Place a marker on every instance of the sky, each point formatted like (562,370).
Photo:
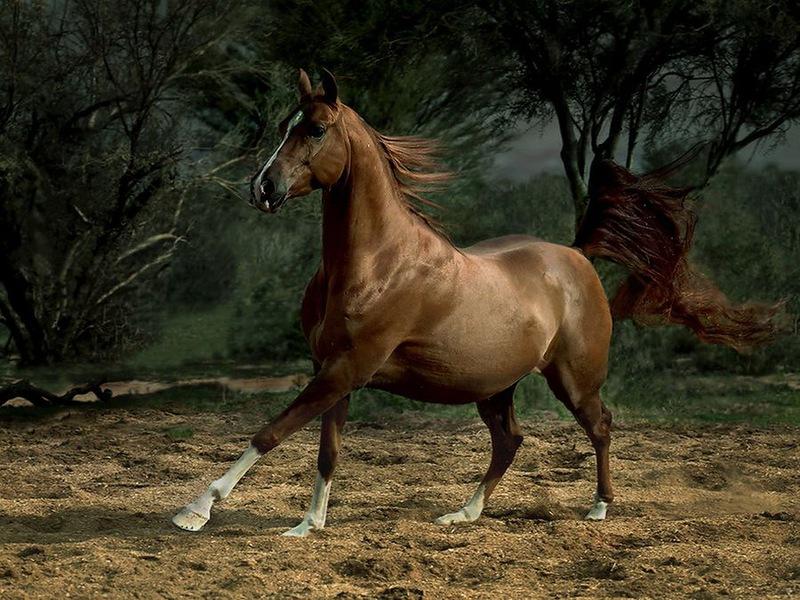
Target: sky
(536,151)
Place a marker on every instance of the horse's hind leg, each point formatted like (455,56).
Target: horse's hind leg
(330,441)
(498,414)
(581,396)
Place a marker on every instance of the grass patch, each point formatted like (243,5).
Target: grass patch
(662,398)
(191,336)
(179,433)
(532,397)
(720,398)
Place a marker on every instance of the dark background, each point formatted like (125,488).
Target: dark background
(128,132)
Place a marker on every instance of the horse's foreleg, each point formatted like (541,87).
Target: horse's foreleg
(325,390)
(195,515)
(330,441)
(498,414)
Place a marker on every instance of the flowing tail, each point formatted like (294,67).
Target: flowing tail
(646,226)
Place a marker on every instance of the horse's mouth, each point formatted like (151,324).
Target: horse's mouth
(270,206)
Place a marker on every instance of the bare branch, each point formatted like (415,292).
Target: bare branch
(160,260)
(148,243)
(41,397)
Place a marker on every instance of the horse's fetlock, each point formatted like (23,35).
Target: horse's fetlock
(607,497)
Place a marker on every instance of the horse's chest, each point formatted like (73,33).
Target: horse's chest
(334,330)
(336,316)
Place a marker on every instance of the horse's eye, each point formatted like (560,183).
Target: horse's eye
(317,131)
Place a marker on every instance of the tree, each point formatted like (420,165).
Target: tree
(724,75)
(407,67)
(91,189)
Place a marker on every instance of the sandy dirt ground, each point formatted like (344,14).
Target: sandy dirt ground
(87,496)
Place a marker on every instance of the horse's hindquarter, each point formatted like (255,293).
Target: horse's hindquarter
(491,321)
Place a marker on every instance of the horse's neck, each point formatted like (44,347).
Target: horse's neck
(364,214)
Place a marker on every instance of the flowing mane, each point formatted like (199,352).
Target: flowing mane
(414,164)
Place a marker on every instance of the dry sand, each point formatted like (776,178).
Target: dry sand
(87,496)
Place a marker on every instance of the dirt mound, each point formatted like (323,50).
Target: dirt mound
(87,498)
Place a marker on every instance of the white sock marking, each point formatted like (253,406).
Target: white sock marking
(196,514)
(470,511)
(317,512)
(598,511)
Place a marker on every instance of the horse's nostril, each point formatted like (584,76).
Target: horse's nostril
(267,188)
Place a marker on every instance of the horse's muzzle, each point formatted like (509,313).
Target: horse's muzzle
(272,204)
(266,196)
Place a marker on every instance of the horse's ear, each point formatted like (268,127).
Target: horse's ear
(329,88)
(304,85)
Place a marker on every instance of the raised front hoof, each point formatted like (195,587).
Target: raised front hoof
(598,511)
(456,517)
(189,520)
(301,530)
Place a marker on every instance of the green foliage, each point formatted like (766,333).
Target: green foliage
(282,254)
(90,173)
(194,335)
(748,236)
(477,209)
(179,433)
(203,270)
(234,282)
(407,66)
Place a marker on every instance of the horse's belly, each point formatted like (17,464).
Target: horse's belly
(466,363)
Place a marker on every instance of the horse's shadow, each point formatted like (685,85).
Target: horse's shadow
(93,522)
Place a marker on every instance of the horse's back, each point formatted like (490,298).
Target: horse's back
(502,243)
(530,255)
(532,259)
(519,244)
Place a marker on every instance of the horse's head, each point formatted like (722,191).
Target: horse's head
(313,152)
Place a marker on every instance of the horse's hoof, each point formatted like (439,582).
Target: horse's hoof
(189,520)
(598,511)
(301,530)
(453,518)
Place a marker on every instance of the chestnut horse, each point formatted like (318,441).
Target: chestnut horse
(395,306)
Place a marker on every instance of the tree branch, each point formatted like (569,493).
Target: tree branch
(41,397)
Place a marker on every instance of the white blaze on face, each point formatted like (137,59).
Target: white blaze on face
(293,122)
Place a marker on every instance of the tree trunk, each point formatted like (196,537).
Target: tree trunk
(23,323)
(571,160)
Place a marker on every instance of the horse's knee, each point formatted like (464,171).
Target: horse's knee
(265,440)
